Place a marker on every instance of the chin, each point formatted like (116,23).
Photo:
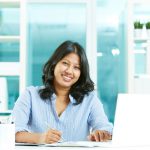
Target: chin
(67,85)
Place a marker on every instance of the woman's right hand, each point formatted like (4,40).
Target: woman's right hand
(51,136)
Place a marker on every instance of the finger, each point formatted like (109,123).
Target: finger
(52,138)
(107,136)
(103,135)
(97,136)
(91,137)
(50,141)
(52,131)
(53,135)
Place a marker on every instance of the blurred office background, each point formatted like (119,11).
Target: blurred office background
(50,24)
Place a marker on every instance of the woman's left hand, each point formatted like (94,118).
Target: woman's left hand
(100,136)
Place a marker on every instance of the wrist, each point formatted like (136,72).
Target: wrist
(41,138)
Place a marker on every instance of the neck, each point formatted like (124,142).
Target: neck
(62,95)
(62,92)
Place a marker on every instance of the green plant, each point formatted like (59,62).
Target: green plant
(138,25)
(147,25)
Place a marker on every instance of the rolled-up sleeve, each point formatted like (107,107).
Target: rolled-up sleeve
(22,112)
(97,118)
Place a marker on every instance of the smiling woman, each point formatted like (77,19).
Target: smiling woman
(67,71)
(69,62)
(67,102)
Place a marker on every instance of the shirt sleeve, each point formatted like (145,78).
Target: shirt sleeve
(21,112)
(97,118)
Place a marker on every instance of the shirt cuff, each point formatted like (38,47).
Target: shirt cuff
(21,129)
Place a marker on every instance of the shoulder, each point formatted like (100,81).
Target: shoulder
(91,101)
(33,89)
(31,92)
(91,97)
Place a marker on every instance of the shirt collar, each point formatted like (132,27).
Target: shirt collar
(72,100)
(53,97)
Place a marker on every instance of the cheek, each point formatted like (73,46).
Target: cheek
(78,74)
(58,70)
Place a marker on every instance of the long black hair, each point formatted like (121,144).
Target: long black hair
(84,84)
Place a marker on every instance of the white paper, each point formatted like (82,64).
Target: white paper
(70,144)
(76,144)
(7,136)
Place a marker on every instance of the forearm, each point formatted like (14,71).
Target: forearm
(27,137)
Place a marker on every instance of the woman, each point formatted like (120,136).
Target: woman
(66,107)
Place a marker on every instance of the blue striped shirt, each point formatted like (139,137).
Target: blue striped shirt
(32,114)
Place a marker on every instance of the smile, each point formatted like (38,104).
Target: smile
(66,78)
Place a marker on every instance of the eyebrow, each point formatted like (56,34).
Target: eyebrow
(69,61)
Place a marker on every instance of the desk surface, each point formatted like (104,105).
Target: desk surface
(79,148)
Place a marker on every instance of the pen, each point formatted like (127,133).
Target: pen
(49,127)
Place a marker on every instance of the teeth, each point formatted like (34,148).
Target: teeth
(66,78)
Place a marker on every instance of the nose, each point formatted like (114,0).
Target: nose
(69,70)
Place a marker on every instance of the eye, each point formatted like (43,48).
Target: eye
(77,67)
(65,63)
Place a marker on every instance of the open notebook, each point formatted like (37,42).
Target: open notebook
(131,126)
(64,144)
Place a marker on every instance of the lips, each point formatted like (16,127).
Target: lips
(67,78)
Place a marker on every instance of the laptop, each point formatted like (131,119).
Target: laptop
(132,121)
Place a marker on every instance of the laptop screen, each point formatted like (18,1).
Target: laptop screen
(132,120)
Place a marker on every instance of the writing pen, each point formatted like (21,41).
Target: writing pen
(49,127)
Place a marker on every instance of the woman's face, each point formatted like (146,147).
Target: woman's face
(67,71)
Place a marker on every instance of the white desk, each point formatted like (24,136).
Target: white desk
(79,148)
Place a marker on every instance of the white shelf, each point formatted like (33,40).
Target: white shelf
(5,112)
(144,76)
(9,3)
(139,51)
(142,39)
(16,68)
(9,38)
(137,45)
(142,84)
(141,1)
(10,69)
